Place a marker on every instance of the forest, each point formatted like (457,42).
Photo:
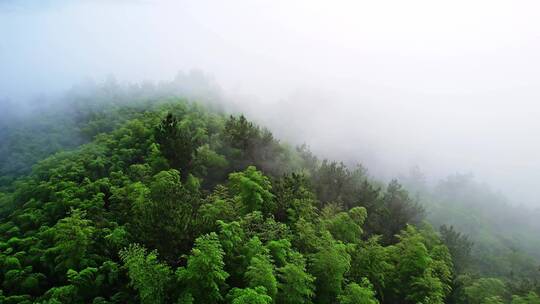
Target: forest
(120,196)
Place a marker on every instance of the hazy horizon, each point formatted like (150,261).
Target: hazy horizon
(449,87)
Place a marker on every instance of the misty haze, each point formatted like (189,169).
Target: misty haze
(269,152)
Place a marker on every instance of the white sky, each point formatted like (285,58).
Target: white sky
(446,85)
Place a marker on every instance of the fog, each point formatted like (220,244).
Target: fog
(447,86)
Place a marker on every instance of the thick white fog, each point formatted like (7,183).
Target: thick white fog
(450,86)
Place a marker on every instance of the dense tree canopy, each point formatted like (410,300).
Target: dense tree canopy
(169,202)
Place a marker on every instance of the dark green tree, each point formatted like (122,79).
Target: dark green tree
(255,295)
(358,294)
(73,238)
(372,261)
(486,290)
(397,209)
(178,141)
(252,190)
(260,272)
(164,216)
(147,275)
(329,265)
(204,276)
(295,284)
(459,245)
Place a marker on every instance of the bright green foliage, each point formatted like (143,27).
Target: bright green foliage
(293,197)
(426,288)
(265,228)
(358,294)
(185,185)
(493,300)
(252,189)
(296,285)
(261,273)
(372,261)
(530,298)
(233,242)
(485,289)
(347,226)
(164,219)
(231,236)
(418,270)
(255,295)
(117,238)
(441,266)
(204,275)
(280,250)
(218,206)
(85,285)
(329,266)
(306,238)
(147,275)
(72,236)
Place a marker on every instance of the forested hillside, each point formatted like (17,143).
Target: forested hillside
(161,200)
(505,236)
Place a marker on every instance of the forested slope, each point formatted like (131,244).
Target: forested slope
(167,201)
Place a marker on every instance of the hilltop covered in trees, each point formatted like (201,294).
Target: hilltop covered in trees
(159,200)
